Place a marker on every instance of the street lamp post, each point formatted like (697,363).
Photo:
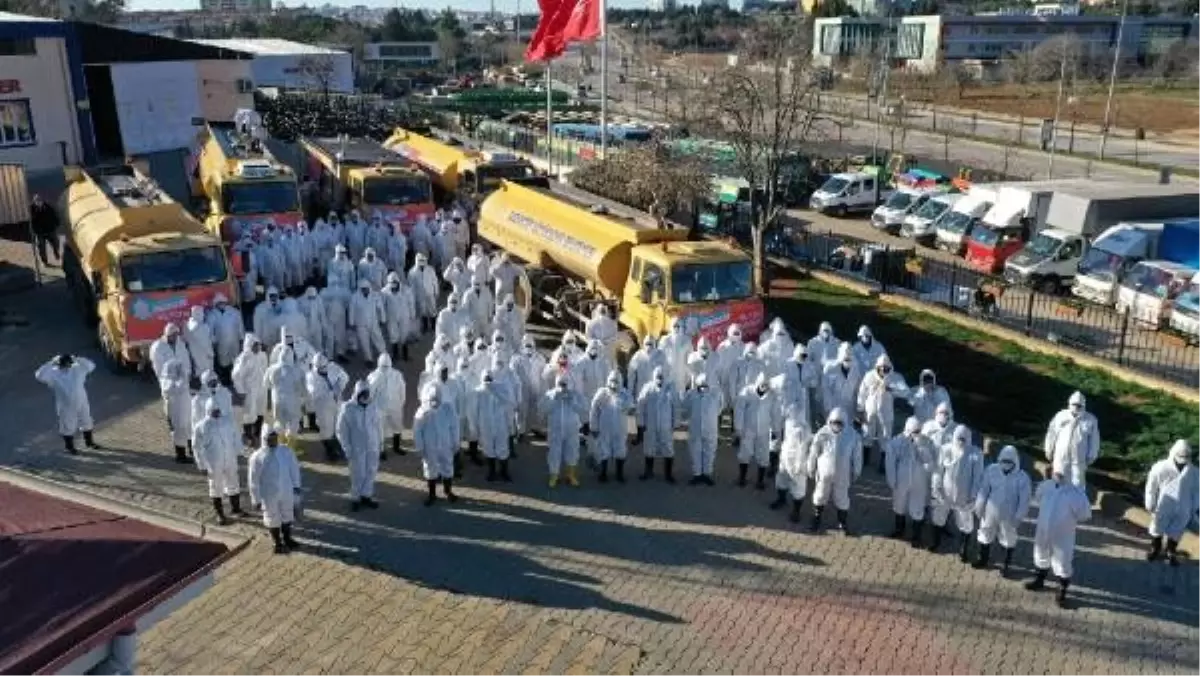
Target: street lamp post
(1112,79)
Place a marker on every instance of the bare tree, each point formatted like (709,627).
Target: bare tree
(646,178)
(1060,54)
(1176,64)
(318,69)
(765,106)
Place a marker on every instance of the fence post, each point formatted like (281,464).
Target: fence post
(953,295)
(1124,333)
(883,269)
(1029,313)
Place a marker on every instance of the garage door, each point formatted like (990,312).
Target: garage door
(155,105)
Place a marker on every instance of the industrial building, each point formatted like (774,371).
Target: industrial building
(291,65)
(403,54)
(924,43)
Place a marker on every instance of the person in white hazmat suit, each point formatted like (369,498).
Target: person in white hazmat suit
(754,414)
(198,336)
(325,382)
(312,308)
(602,328)
(371,269)
(1172,498)
(453,319)
(909,467)
(420,238)
(284,382)
(823,347)
(398,312)
(479,266)
(268,318)
(212,392)
(500,346)
(926,398)
(1073,440)
(957,478)
(355,235)
(608,422)
(436,438)
(358,433)
(177,407)
(506,377)
(800,379)
(269,257)
(876,403)
(940,430)
(639,371)
(457,276)
(676,347)
(840,381)
(170,346)
(658,408)
(323,240)
(703,361)
(776,349)
(248,372)
(1001,506)
(388,393)
(293,322)
(729,351)
(509,320)
(366,319)
(395,250)
(336,301)
(341,272)
(564,412)
(701,407)
(1062,506)
(791,479)
(66,376)
(466,379)
(273,476)
(462,232)
(292,252)
(424,284)
(246,249)
(867,350)
(593,369)
(228,327)
(527,365)
(216,444)
(478,305)
(443,245)
(492,405)
(835,462)
(505,274)
(745,371)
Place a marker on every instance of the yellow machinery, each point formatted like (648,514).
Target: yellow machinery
(362,174)
(135,258)
(244,186)
(580,254)
(455,168)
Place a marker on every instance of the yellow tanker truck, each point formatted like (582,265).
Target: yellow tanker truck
(457,168)
(135,259)
(579,254)
(357,173)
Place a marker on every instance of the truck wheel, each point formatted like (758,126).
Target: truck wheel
(1048,286)
(839,211)
(108,349)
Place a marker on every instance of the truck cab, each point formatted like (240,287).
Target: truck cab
(890,215)
(1048,262)
(990,246)
(1185,314)
(920,223)
(1149,290)
(954,227)
(1119,248)
(483,171)
(362,174)
(841,194)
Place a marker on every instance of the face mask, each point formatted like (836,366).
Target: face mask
(362,401)
(1180,464)
(395,286)
(835,426)
(866,340)
(215,414)
(528,349)
(322,369)
(762,391)
(613,386)
(433,403)
(1007,467)
(942,418)
(658,382)
(562,387)
(366,292)
(593,355)
(213,385)
(1076,411)
(508,305)
(420,266)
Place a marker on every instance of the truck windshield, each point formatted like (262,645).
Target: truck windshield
(239,199)
(713,282)
(396,191)
(834,185)
(1152,280)
(491,175)
(173,270)
(987,237)
(932,209)
(1100,265)
(1043,245)
(955,221)
(899,200)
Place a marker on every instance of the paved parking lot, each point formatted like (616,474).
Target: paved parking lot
(634,578)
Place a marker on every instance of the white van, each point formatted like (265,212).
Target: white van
(841,194)
(919,224)
(953,228)
(889,216)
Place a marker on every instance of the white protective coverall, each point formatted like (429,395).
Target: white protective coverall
(1062,506)
(424,283)
(355,234)
(956,481)
(491,405)
(70,394)
(341,271)
(170,346)
(285,383)
(702,408)
(479,306)
(212,392)
(248,372)
(312,308)
(528,365)
(754,414)
(323,240)
(744,371)
(508,320)
(294,323)
(776,349)
(1171,493)
(608,420)
(909,467)
(1003,500)
(593,369)
(505,273)
(478,265)
(453,319)
(792,475)
(835,462)
(840,381)
(729,351)
(366,319)
(372,269)
(877,401)
(198,335)
(639,371)
(940,430)
(395,252)
(563,410)
(420,238)
(217,445)
(325,382)
(436,435)
(603,328)
(227,331)
(676,346)
(274,478)
(823,347)
(657,411)
(1073,440)
(272,266)
(177,404)
(398,311)
(268,318)
(388,394)
(927,396)
(336,301)
(867,350)
(358,433)
(294,268)
(457,276)
(703,361)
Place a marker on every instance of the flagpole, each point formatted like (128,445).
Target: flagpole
(604,78)
(549,119)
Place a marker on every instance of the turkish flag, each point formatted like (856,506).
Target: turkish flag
(583,24)
(548,42)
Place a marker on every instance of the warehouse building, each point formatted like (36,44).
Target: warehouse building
(290,65)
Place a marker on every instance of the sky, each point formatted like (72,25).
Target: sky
(468,5)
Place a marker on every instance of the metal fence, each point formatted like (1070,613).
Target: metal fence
(1087,328)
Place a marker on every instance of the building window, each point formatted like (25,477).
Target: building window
(405,51)
(16,124)
(18,47)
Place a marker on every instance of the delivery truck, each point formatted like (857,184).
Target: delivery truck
(135,259)
(955,226)
(1114,253)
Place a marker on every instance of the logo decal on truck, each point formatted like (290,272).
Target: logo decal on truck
(543,231)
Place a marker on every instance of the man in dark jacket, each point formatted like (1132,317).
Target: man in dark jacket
(45,229)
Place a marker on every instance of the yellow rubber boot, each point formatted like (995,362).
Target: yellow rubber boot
(571,478)
(553,480)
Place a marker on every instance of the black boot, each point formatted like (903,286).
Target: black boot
(248,435)
(964,554)
(235,505)
(473,453)
(312,422)
(369,502)
(937,537)
(621,470)
(985,553)
(277,538)
(697,480)
(337,445)
(772,463)
(448,490)
(1172,552)
(1039,580)
(458,466)
(219,508)
(404,352)
(90,441)
(843,524)
(648,471)
(512,447)
(603,478)
(743,468)
(1061,597)
(258,427)
(761,483)
(815,527)
(331,453)
(668,469)
(288,542)
(356,504)
(640,437)
(69,444)
(491,473)
(917,526)
(794,517)
(1155,548)
(1008,553)
(780,499)
(181,455)
(898,528)
(432,497)
(396,445)
(882,460)
(504,475)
